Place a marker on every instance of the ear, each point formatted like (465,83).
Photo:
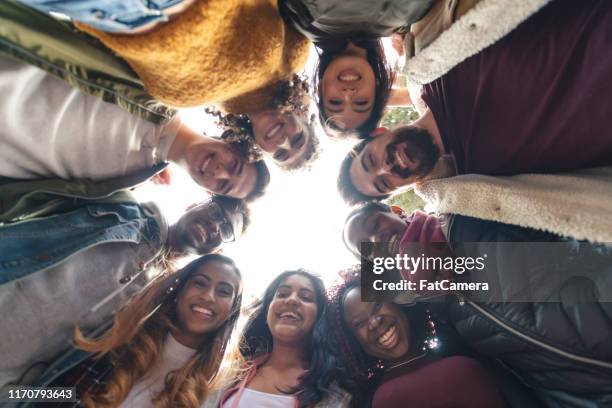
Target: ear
(378,131)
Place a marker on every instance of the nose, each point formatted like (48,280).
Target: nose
(349,91)
(292,299)
(374,322)
(221,172)
(208,295)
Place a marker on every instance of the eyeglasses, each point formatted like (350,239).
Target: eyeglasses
(217,215)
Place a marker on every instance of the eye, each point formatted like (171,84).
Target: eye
(298,140)
(282,294)
(225,291)
(335,102)
(361,102)
(199,283)
(281,155)
(307,298)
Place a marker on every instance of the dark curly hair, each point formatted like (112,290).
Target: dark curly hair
(291,97)
(363,371)
(384,75)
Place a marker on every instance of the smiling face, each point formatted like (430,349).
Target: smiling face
(381,329)
(281,135)
(203,228)
(205,302)
(293,310)
(392,160)
(374,226)
(219,168)
(348,88)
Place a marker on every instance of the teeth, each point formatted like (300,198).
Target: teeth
(289,315)
(274,131)
(387,338)
(400,159)
(349,77)
(202,235)
(203,167)
(202,310)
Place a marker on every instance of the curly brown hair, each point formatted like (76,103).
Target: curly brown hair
(291,97)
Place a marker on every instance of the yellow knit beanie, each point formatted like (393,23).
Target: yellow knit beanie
(216,51)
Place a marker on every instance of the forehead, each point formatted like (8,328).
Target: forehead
(297,282)
(219,272)
(352,303)
(355,229)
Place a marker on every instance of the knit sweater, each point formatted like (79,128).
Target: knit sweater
(227,52)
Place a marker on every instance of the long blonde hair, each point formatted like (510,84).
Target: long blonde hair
(135,343)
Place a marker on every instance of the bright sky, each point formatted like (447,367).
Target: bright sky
(297,224)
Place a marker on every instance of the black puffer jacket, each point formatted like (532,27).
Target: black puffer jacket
(321,20)
(561,347)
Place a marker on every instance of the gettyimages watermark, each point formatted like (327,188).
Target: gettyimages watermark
(488,272)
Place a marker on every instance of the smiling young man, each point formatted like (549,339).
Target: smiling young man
(394,159)
(495,114)
(74,267)
(51,130)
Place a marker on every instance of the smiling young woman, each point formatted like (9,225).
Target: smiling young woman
(165,346)
(392,356)
(281,343)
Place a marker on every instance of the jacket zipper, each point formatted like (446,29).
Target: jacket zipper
(529,339)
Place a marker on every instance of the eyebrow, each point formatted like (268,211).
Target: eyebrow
(363,161)
(335,111)
(363,110)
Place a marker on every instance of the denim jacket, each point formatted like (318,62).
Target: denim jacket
(56,47)
(115,16)
(33,245)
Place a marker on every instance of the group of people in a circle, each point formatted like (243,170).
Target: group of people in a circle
(513,125)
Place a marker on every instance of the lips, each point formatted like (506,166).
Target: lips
(389,338)
(199,235)
(202,312)
(349,75)
(204,164)
(274,130)
(402,158)
(290,316)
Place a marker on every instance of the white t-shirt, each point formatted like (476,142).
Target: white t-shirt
(174,356)
(251,398)
(49,129)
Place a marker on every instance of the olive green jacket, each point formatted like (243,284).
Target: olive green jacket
(22,200)
(58,48)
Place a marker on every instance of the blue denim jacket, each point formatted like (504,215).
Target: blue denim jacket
(33,245)
(113,16)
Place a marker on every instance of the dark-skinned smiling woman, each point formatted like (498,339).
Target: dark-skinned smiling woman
(392,356)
